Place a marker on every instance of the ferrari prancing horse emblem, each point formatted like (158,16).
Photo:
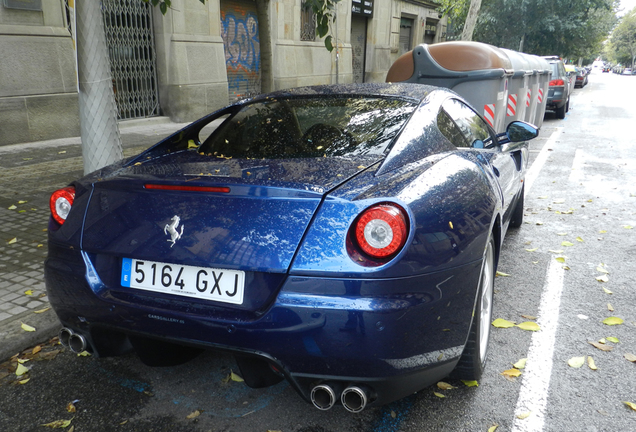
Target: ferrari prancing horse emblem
(172,230)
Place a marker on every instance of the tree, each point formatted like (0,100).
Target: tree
(623,39)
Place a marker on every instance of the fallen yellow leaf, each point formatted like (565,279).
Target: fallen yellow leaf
(58,424)
(560,259)
(524,415)
(493,428)
(613,339)
(70,407)
(27,327)
(502,323)
(444,386)
(630,357)
(36,349)
(24,381)
(612,321)
(610,307)
(601,346)
(13,240)
(532,250)
(521,364)
(631,405)
(501,274)
(576,362)
(567,244)
(602,278)
(439,395)
(12,207)
(591,364)
(84,354)
(41,310)
(194,414)
(510,373)
(607,291)
(579,239)
(601,269)
(562,234)
(21,370)
(236,377)
(555,251)
(529,326)
(450,224)
(469,383)
(29,292)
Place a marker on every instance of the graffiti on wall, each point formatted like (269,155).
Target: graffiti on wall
(239,30)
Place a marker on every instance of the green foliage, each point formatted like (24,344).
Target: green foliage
(163,4)
(325,11)
(622,45)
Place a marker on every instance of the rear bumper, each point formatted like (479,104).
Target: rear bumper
(395,336)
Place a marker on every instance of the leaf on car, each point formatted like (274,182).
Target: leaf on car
(590,363)
(630,404)
(501,274)
(612,321)
(607,291)
(576,362)
(193,414)
(27,327)
(502,323)
(511,373)
(21,370)
(630,357)
(13,240)
(524,415)
(602,347)
(612,339)
(439,395)
(470,383)
(444,386)
(58,424)
(567,244)
(521,364)
(602,278)
(235,377)
(529,326)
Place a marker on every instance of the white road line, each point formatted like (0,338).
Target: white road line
(533,396)
(538,163)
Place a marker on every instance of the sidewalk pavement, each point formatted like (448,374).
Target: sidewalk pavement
(29,173)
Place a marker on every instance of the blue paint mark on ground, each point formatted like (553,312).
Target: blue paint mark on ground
(388,423)
(138,386)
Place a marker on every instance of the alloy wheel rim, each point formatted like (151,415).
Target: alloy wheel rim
(486,301)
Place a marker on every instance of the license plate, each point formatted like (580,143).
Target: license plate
(220,285)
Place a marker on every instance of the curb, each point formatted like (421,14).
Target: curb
(15,339)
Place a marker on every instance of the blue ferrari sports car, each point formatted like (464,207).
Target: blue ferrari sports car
(344,238)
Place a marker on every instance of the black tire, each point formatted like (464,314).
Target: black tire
(473,360)
(517,215)
(567,106)
(560,112)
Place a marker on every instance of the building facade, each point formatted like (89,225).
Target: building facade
(196,58)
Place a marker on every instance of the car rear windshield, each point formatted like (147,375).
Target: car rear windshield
(310,127)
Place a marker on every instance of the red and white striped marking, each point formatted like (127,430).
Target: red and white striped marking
(512,105)
(489,114)
(540,96)
(528,97)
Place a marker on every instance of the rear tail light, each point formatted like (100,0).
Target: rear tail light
(379,233)
(61,202)
(556,82)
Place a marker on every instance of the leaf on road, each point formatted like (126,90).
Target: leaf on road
(84,354)
(579,239)
(532,250)
(521,364)
(602,347)
(628,226)
(501,274)
(439,395)
(612,321)
(27,327)
(631,405)
(444,386)
(58,424)
(502,323)
(524,415)
(450,224)
(590,363)
(558,201)
(22,202)
(13,240)
(12,207)
(543,197)
(194,414)
(539,223)
(493,428)
(70,407)
(235,377)
(529,326)
(29,292)
(562,234)
(41,310)
(630,357)
(511,373)
(21,370)
(469,383)
(567,244)
(36,349)
(529,317)
(613,339)
(576,362)
(602,278)
(556,251)
(607,291)
(601,269)
(602,232)
(24,381)
(610,307)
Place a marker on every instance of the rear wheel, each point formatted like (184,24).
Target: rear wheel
(560,112)
(473,360)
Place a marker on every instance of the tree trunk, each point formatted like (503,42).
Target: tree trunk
(265,38)
(471,20)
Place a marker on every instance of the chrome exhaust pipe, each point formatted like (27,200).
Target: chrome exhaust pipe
(354,399)
(65,336)
(323,397)
(77,343)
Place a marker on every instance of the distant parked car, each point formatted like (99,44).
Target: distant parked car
(606,68)
(559,90)
(627,71)
(581,78)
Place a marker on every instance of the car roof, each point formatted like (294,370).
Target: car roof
(416,92)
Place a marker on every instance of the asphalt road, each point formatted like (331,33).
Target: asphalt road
(581,190)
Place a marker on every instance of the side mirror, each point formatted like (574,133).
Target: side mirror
(518,131)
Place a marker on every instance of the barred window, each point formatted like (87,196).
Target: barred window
(307,22)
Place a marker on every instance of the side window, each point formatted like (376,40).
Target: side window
(473,128)
(450,130)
